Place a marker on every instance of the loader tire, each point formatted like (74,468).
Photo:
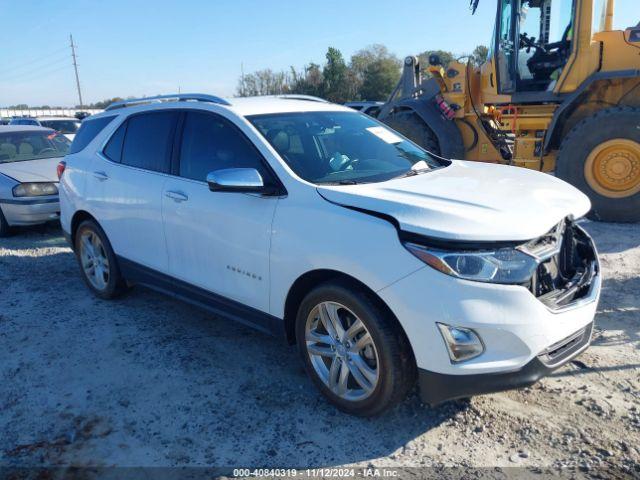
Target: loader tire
(413,127)
(601,157)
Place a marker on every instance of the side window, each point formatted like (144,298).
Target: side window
(113,150)
(147,143)
(88,131)
(210,142)
(506,47)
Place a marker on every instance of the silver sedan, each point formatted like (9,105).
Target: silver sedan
(29,158)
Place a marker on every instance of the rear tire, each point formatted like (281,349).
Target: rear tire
(413,127)
(374,357)
(601,157)
(5,229)
(97,261)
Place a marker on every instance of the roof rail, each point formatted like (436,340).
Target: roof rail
(177,97)
(310,98)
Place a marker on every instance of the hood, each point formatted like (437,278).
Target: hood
(469,201)
(41,170)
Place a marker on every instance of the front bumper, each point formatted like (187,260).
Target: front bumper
(436,388)
(517,325)
(30,210)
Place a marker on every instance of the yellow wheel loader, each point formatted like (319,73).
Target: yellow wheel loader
(559,92)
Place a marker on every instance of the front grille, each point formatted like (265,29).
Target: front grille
(566,348)
(568,266)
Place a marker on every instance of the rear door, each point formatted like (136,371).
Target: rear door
(125,187)
(218,241)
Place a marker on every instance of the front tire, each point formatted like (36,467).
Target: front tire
(98,263)
(601,157)
(353,349)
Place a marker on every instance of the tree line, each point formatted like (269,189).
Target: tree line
(371,74)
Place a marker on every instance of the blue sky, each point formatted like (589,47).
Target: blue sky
(136,47)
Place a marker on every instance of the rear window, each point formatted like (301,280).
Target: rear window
(62,126)
(88,131)
(23,121)
(148,140)
(23,146)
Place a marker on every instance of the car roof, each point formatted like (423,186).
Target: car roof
(23,128)
(242,106)
(364,103)
(274,104)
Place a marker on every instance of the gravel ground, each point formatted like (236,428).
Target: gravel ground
(149,381)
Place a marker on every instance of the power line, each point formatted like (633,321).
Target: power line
(7,65)
(13,76)
(36,75)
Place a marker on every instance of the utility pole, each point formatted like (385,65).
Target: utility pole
(243,88)
(75,67)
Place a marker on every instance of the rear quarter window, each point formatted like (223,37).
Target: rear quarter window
(113,150)
(89,129)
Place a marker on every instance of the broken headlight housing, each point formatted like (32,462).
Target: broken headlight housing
(503,265)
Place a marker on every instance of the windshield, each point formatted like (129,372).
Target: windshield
(341,147)
(23,146)
(62,126)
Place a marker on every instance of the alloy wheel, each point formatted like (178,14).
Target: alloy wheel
(95,262)
(342,351)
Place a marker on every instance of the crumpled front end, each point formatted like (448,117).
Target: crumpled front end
(526,330)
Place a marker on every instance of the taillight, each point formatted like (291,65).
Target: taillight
(60,169)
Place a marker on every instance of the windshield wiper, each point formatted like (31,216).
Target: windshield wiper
(341,182)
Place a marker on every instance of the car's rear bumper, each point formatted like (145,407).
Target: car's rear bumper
(436,388)
(30,211)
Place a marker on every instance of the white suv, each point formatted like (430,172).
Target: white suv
(306,219)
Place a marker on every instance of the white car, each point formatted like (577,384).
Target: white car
(306,219)
(370,108)
(66,125)
(29,157)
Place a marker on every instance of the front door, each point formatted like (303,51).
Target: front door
(218,241)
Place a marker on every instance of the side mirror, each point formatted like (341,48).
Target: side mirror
(247,180)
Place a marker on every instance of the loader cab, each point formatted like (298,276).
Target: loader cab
(533,41)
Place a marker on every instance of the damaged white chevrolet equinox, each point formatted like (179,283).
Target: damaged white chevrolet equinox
(385,264)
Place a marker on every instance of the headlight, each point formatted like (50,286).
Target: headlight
(504,265)
(35,189)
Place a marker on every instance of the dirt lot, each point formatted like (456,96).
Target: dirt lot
(150,381)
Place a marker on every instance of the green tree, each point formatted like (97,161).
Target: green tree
(480,55)
(445,57)
(335,74)
(373,73)
(309,82)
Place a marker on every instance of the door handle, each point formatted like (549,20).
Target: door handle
(101,176)
(176,196)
